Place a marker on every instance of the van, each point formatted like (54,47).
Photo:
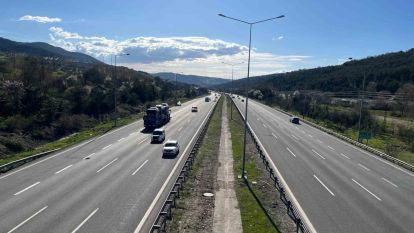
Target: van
(158,135)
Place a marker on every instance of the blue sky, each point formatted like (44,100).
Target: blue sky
(187,35)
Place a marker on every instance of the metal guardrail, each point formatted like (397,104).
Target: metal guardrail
(165,213)
(292,210)
(9,166)
(356,143)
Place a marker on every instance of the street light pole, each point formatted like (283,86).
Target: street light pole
(113,87)
(232,86)
(361,99)
(248,75)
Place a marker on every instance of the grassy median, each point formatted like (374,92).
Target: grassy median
(194,212)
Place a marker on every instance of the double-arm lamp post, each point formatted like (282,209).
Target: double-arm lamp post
(248,75)
(232,88)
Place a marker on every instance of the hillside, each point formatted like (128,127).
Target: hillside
(385,72)
(193,79)
(43,50)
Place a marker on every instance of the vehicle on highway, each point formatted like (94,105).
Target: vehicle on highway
(294,119)
(178,103)
(194,109)
(207,99)
(171,147)
(158,135)
(242,100)
(157,116)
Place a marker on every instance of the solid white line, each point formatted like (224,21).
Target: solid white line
(31,186)
(107,165)
(89,156)
(34,215)
(61,170)
(86,219)
(41,161)
(364,167)
(120,139)
(274,135)
(318,154)
(106,147)
(291,152)
(132,133)
(140,167)
(324,185)
(390,182)
(157,197)
(345,156)
(330,147)
(379,199)
(295,137)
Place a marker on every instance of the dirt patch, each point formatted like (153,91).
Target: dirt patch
(194,212)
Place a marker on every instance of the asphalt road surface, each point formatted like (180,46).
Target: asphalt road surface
(339,187)
(103,185)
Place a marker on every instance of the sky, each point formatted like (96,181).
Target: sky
(187,36)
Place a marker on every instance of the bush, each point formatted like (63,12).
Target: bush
(68,124)
(13,145)
(15,123)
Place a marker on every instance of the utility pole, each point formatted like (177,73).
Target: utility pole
(114,88)
(360,107)
(232,86)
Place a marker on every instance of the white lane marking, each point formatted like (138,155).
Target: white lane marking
(157,197)
(295,137)
(296,127)
(85,220)
(264,125)
(106,147)
(389,182)
(345,156)
(379,199)
(291,152)
(120,139)
(180,129)
(116,130)
(31,186)
(87,157)
(324,185)
(61,170)
(143,140)
(318,154)
(34,215)
(140,167)
(132,133)
(330,147)
(303,132)
(274,135)
(364,167)
(287,188)
(258,119)
(107,165)
(320,141)
(310,135)
(11,173)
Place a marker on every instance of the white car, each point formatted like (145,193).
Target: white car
(171,147)
(194,109)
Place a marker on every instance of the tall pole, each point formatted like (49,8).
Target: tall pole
(361,100)
(231,94)
(114,90)
(175,74)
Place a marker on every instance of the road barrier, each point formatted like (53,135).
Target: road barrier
(8,166)
(356,143)
(165,213)
(292,209)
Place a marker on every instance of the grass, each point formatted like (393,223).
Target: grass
(208,151)
(253,217)
(78,137)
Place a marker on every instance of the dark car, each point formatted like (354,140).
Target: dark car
(294,120)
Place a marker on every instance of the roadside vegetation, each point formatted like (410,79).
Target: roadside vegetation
(43,99)
(194,212)
(260,208)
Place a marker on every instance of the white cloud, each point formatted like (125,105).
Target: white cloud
(191,55)
(278,38)
(39,19)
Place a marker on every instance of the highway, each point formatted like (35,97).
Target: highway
(339,187)
(106,184)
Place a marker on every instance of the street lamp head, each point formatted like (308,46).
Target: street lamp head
(127,54)
(221,15)
(281,16)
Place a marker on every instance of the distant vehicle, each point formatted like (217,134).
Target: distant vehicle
(294,119)
(171,147)
(242,100)
(207,99)
(178,103)
(232,96)
(194,109)
(157,116)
